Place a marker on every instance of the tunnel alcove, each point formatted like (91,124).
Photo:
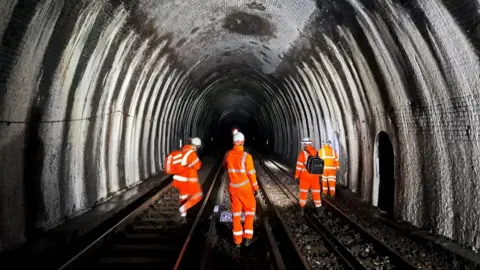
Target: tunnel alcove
(386,160)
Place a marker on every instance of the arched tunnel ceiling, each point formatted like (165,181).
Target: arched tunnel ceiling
(95,93)
(257,33)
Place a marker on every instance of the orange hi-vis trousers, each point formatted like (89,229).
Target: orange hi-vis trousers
(242,200)
(329,180)
(190,194)
(312,183)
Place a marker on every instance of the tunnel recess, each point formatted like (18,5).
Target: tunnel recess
(384,181)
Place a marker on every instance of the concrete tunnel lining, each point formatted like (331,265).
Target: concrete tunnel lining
(96,93)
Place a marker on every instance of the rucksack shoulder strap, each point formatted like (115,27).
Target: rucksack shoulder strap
(185,157)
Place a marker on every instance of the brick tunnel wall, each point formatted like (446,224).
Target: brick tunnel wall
(71,69)
(92,97)
(410,69)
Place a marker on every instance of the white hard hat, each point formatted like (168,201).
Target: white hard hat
(307,140)
(196,141)
(238,137)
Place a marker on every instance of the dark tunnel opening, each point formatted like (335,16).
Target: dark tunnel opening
(386,194)
(248,125)
(238,97)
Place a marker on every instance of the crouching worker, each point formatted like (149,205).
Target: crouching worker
(184,165)
(242,189)
(308,180)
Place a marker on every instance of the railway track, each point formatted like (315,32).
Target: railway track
(353,246)
(454,258)
(220,249)
(148,237)
(271,250)
(417,248)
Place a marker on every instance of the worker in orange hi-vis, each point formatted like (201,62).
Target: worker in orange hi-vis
(331,166)
(242,188)
(184,164)
(308,180)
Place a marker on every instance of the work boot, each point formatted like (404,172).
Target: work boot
(248,242)
(320,211)
(178,218)
(301,211)
(183,220)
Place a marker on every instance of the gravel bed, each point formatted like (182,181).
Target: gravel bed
(421,256)
(361,248)
(157,219)
(307,240)
(164,209)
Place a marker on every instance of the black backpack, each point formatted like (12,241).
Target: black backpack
(315,164)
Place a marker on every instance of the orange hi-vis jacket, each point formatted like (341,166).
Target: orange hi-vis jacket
(241,170)
(190,161)
(307,181)
(301,169)
(330,157)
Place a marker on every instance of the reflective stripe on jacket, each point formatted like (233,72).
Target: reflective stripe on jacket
(330,157)
(189,159)
(240,168)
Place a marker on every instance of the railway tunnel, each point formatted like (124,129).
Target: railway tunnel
(95,93)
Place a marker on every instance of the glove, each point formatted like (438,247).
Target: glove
(296,179)
(255,193)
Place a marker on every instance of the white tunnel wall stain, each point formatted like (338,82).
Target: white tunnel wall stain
(336,119)
(22,83)
(306,100)
(82,109)
(314,107)
(171,111)
(429,78)
(338,97)
(158,152)
(6,9)
(356,162)
(370,96)
(102,128)
(463,71)
(117,140)
(165,139)
(105,92)
(55,113)
(132,136)
(146,132)
(320,104)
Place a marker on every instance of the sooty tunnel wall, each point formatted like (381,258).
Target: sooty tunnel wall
(94,93)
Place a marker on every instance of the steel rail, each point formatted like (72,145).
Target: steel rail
(331,241)
(197,219)
(116,227)
(397,259)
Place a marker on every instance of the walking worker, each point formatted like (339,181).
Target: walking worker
(184,165)
(332,165)
(242,189)
(307,179)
